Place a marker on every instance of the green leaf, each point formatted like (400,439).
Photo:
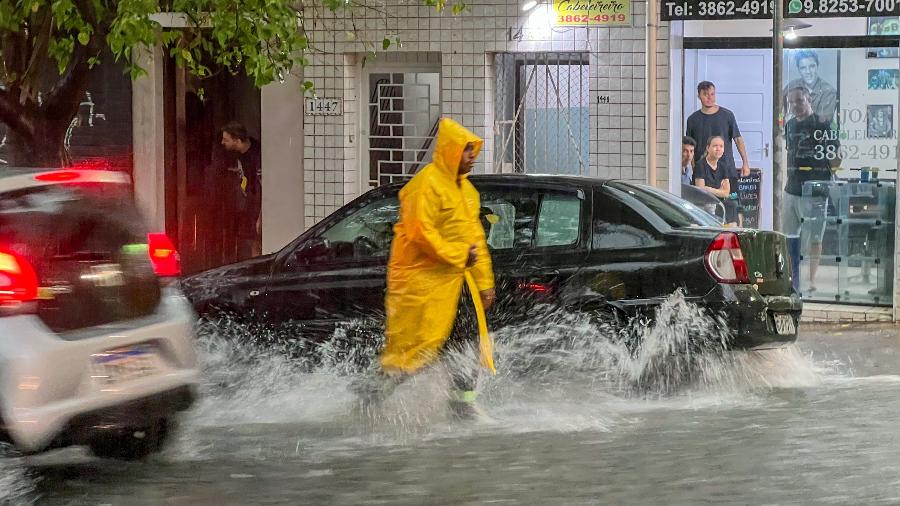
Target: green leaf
(386,43)
(84,38)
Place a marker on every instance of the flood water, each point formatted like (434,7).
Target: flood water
(572,417)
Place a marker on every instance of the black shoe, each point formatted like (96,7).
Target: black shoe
(462,410)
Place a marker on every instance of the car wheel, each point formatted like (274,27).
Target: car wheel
(131,443)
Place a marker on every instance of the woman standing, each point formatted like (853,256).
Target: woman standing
(712,175)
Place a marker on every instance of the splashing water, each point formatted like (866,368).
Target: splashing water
(16,483)
(567,366)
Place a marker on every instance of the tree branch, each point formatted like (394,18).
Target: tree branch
(38,52)
(11,114)
(62,100)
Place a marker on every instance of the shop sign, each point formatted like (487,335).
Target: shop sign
(840,8)
(592,12)
(677,10)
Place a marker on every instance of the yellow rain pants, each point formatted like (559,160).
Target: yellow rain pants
(439,221)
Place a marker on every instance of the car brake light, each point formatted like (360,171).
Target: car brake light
(58,176)
(18,281)
(725,260)
(163,256)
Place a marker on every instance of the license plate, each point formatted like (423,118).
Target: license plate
(784,324)
(125,364)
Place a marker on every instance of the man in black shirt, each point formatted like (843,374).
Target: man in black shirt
(812,153)
(714,120)
(246,186)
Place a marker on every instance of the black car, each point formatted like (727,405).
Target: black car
(581,244)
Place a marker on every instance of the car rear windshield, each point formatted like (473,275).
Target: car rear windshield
(676,212)
(87,244)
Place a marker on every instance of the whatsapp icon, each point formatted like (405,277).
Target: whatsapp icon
(794,7)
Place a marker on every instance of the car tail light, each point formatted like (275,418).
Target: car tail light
(18,281)
(58,176)
(163,256)
(725,260)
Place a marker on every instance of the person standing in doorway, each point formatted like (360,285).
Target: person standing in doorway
(714,120)
(712,176)
(439,245)
(823,95)
(812,155)
(246,173)
(688,146)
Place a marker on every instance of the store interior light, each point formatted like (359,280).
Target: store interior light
(530,4)
(789,28)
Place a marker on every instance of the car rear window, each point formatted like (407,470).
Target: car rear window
(677,213)
(87,244)
(529,219)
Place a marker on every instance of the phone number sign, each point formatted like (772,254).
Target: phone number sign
(677,10)
(592,12)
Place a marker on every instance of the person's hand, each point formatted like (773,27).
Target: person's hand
(488,297)
(473,256)
(745,170)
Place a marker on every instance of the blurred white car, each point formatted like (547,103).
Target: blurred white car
(96,341)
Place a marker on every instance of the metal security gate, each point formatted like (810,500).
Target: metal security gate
(541,114)
(401,116)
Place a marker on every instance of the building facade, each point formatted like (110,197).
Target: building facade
(508,74)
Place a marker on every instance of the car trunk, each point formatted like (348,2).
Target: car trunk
(768,263)
(88,250)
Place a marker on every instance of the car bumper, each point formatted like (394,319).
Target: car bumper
(48,386)
(751,316)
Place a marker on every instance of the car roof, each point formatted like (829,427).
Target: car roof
(529,179)
(18,178)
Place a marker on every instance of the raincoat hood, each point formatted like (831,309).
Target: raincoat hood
(449,145)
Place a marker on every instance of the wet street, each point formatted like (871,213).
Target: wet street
(811,424)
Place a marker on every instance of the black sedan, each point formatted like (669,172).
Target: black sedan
(577,244)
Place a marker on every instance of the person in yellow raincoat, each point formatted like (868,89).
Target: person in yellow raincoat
(439,244)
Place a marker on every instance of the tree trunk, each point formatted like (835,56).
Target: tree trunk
(46,148)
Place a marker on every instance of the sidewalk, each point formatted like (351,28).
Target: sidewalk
(842,313)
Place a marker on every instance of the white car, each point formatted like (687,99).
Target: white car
(96,340)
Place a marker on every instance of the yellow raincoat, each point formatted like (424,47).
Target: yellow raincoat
(439,221)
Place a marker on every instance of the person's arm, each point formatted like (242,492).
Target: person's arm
(483,270)
(722,192)
(742,149)
(419,212)
(735,132)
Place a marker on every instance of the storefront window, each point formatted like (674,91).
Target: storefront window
(840,109)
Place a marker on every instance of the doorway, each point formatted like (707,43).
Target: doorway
(401,111)
(199,218)
(743,79)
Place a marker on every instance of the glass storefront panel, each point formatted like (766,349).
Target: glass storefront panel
(841,142)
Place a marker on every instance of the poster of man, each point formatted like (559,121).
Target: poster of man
(817,70)
(880,121)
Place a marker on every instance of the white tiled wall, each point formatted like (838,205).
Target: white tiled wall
(464,45)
